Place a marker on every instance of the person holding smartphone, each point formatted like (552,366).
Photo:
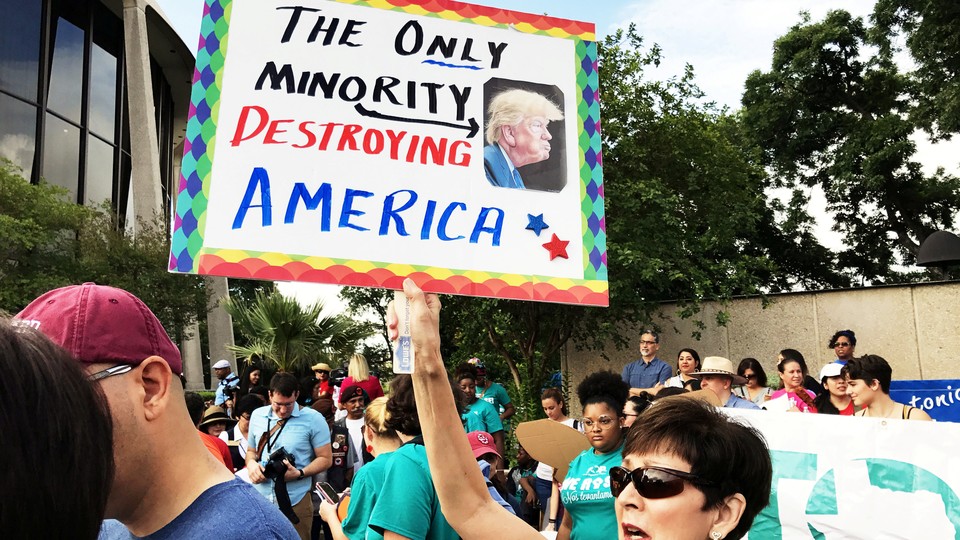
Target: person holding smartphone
(381,441)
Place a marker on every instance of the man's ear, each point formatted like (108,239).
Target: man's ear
(507,136)
(156,378)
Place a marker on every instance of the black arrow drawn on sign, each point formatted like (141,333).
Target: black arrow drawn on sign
(473,126)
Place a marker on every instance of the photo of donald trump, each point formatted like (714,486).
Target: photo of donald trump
(517,134)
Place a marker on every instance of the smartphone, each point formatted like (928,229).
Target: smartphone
(327,492)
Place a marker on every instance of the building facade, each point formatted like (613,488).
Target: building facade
(94,97)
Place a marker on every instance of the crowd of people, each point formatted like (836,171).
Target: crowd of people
(847,386)
(144,458)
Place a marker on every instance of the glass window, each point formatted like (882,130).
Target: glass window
(61,164)
(66,70)
(20,47)
(18,132)
(103,92)
(98,182)
(107,41)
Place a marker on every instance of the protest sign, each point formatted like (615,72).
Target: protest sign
(357,143)
(939,398)
(850,477)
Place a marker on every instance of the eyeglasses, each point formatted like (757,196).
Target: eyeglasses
(839,344)
(653,482)
(245,416)
(750,375)
(605,422)
(646,342)
(110,372)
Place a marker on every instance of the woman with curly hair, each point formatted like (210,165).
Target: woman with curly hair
(585,492)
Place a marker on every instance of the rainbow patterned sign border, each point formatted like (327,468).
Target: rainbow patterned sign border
(189,254)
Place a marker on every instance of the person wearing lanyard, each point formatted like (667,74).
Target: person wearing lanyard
(304,435)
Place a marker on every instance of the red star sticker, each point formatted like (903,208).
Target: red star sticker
(556,247)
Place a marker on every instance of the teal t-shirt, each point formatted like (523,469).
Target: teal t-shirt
(481,416)
(407,503)
(364,493)
(496,395)
(585,493)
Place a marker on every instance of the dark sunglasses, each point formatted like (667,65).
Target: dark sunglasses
(839,344)
(653,482)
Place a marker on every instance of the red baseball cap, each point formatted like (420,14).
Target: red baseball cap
(100,324)
(482,443)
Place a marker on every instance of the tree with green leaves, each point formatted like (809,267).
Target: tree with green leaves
(46,242)
(931,30)
(835,111)
(38,231)
(290,337)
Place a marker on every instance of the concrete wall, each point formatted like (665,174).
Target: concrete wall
(915,327)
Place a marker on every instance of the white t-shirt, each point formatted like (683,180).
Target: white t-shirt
(356,440)
(544,471)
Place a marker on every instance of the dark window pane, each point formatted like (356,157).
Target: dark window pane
(20,47)
(99,177)
(107,42)
(18,132)
(66,71)
(61,165)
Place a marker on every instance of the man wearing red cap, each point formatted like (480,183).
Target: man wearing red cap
(166,484)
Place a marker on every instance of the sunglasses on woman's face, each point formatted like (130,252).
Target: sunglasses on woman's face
(653,482)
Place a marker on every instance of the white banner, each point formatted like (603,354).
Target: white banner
(849,477)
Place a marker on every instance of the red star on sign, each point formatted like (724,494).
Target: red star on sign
(557,247)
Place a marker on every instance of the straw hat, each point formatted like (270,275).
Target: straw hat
(215,414)
(718,365)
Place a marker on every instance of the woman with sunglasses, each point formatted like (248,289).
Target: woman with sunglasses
(844,344)
(462,491)
(690,472)
(756,389)
(585,493)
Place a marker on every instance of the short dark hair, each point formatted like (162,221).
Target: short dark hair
(466,371)
(604,387)
(754,364)
(59,436)
(792,355)
(284,383)
(195,406)
(719,449)
(556,395)
(846,333)
(248,404)
(652,332)
(869,367)
(402,405)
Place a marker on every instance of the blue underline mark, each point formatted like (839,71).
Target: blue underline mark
(436,63)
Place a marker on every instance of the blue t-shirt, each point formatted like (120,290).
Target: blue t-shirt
(364,493)
(585,493)
(408,503)
(229,510)
(481,416)
(639,374)
(305,430)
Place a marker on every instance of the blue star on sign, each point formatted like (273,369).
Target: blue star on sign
(536,223)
